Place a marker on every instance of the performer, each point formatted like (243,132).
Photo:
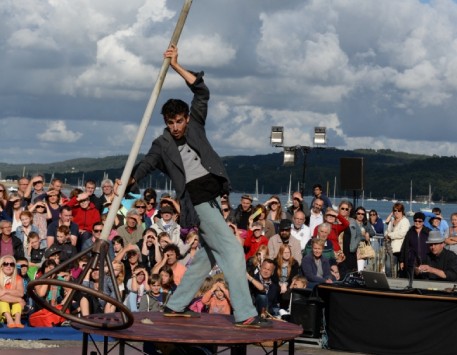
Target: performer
(184,153)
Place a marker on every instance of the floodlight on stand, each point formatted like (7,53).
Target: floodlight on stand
(320,137)
(277,136)
(289,156)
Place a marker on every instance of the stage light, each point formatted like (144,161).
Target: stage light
(277,136)
(320,137)
(289,156)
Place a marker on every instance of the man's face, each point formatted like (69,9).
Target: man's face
(245,204)
(177,125)
(166,216)
(317,191)
(436,249)
(57,185)
(6,229)
(284,234)
(171,257)
(299,219)
(65,217)
(22,185)
(317,206)
(90,188)
(107,189)
(38,185)
(266,271)
(317,250)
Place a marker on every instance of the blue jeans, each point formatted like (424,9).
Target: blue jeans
(219,244)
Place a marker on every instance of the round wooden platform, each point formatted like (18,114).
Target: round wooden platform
(209,329)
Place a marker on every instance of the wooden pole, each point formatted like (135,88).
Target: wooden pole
(144,125)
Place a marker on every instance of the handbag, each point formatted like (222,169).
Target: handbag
(365,251)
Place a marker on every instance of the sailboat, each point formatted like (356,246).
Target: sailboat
(410,213)
(256,196)
(429,209)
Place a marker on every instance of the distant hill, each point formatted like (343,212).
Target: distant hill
(386,173)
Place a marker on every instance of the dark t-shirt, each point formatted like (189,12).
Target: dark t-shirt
(52,229)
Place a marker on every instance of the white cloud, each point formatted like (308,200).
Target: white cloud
(57,132)
(376,73)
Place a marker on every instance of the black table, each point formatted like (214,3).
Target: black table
(390,322)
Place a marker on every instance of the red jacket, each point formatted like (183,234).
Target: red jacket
(85,219)
(251,244)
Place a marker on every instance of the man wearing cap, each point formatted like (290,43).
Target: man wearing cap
(440,263)
(254,240)
(284,237)
(167,224)
(242,213)
(132,231)
(414,248)
(435,221)
(184,153)
(53,252)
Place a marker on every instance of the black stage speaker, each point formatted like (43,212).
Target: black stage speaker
(307,312)
(351,173)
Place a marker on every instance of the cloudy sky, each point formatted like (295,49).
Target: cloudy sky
(75,75)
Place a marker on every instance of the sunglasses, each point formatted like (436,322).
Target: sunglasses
(360,213)
(97,230)
(140,206)
(344,208)
(23,265)
(396,210)
(418,220)
(2,190)
(225,209)
(85,200)
(9,264)
(372,214)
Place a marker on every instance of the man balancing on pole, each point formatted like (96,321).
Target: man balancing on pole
(184,153)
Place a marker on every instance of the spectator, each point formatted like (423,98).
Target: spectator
(63,242)
(298,204)
(300,230)
(316,214)
(11,292)
(137,285)
(192,239)
(260,215)
(318,193)
(217,299)
(241,214)
(34,253)
(170,258)
(41,216)
(166,223)
(65,218)
(265,290)
(26,227)
(254,240)
(287,268)
(152,301)
(85,214)
(10,244)
(148,246)
(275,212)
(315,267)
(284,237)
(132,230)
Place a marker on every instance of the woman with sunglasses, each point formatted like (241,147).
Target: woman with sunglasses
(396,230)
(366,231)
(11,292)
(275,212)
(376,222)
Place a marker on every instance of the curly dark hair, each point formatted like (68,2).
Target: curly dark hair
(173,108)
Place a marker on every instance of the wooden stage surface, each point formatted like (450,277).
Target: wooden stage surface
(208,329)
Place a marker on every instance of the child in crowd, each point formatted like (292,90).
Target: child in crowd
(167,283)
(137,286)
(26,227)
(217,298)
(34,253)
(197,305)
(79,266)
(41,216)
(152,301)
(64,243)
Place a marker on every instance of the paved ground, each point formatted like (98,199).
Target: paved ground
(45,347)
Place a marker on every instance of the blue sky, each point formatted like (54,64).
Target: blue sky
(76,74)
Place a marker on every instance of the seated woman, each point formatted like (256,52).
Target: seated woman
(275,212)
(268,228)
(167,282)
(90,304)
(136,286)
(11,292)
(315,267)
(287,269)
(253,263)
